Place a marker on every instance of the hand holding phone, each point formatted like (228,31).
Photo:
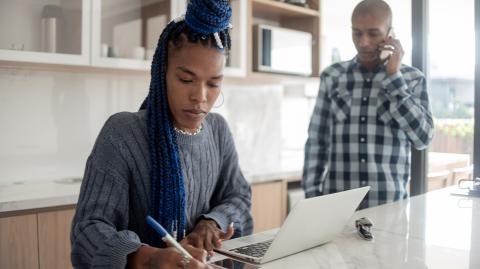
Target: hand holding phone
(391,53)
(387,50)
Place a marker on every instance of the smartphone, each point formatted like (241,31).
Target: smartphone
(233,264)
(385,54)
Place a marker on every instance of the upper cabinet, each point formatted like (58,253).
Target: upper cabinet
(45,31)
(123,34)
(237,58)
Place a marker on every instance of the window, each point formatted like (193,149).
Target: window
(451,70)
(336,39)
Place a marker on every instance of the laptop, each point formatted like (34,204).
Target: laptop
(311,222)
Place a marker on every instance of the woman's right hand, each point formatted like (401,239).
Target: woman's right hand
(147,257)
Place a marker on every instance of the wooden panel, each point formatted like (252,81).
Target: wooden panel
(268,205)
(18,242)
(275,9)
(437,180)
(54,239)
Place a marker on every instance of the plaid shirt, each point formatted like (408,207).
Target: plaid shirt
(361,130)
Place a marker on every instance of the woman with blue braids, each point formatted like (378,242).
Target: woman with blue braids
(172,160)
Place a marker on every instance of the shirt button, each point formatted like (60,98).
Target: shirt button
(364,99)
(363,119)
(368,80)
(363,182)
(362,160)
(362,139)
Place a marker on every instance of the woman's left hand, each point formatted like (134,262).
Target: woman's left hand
(207,235)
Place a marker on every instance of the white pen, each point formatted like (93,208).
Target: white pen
(166,237)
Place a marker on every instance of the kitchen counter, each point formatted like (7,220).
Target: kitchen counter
(15,196)
(433,230)
(26,195)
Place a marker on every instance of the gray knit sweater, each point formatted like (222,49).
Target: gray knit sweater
(109,222)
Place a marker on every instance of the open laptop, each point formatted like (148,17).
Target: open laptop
(312,222)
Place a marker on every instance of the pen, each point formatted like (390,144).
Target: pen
(167,238)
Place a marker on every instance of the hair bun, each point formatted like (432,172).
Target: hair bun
(208,16)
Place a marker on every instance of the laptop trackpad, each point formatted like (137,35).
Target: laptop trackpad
(248,240)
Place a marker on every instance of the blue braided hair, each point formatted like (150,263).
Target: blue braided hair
(206,22)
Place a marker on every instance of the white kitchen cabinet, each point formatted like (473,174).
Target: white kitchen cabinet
(45,31)
(125,33)
(115,34)
(237,61)
(237,58)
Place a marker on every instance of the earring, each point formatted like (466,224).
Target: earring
(223,100)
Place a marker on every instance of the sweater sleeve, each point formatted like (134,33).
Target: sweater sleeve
(99,234)
(231,201)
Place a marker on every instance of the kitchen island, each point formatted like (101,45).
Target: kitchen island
(434,230)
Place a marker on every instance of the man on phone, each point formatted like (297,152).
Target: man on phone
(368,113)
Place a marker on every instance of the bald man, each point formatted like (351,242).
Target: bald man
(368,113)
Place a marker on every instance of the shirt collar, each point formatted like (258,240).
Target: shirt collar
(355,64)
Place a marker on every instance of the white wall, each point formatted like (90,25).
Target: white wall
(49,120)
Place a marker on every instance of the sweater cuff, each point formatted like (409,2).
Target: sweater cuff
(396,85)
(219,218)
(117,249)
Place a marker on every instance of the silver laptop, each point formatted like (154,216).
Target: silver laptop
(312,222)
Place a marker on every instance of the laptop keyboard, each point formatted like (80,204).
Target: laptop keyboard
(256,250)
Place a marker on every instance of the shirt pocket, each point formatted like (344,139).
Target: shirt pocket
(341,105)
(383,109)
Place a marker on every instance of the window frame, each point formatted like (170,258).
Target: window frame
(419,161)
(476,124)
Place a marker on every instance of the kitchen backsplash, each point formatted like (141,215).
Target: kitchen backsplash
(49,119)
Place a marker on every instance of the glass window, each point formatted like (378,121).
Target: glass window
(451,67)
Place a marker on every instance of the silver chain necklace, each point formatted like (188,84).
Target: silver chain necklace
(180,131)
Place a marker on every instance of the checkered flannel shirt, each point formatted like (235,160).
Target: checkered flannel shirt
(361,131)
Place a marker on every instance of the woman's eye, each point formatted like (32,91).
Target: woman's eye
(185,80)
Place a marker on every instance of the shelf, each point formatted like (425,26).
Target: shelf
(265,8)
(272,78)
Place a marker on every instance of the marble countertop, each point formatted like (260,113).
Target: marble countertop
(35,194)
(434,230)
(38,194)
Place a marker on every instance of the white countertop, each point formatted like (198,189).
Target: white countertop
(427,231)
(37,194)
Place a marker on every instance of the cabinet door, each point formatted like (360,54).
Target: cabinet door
(268,205)
(18,242)
(48,31)
(125,33)
(54,239)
